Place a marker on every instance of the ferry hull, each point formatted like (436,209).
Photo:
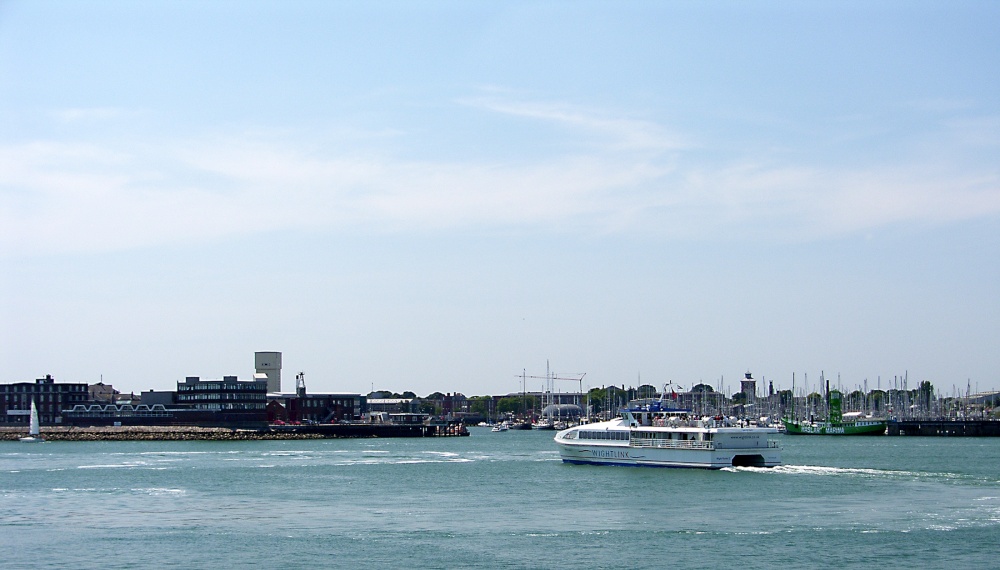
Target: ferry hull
(681,458)
(874,427)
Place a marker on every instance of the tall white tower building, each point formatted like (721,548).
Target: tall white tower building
(269,364)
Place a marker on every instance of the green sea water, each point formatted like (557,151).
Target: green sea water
(493,500)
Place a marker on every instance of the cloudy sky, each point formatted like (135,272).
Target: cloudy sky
(439,196)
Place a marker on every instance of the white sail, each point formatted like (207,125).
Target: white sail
(33,427)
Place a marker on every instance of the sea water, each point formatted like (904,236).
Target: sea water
(494,500)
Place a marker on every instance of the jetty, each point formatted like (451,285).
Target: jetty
(945,427)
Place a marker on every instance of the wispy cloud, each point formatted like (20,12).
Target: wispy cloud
(633,175)
(90,114)
(615,132)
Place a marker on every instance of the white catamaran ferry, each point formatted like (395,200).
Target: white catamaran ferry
(649,434)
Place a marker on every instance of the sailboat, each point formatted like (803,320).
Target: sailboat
(34,430)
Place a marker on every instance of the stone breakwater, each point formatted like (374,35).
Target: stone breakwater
(193,433)
(153,433)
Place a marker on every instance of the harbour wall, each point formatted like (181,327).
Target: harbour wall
(954,428)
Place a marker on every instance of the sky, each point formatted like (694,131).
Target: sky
(448,196)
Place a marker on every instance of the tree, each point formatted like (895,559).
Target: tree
(814,400)
(856,400)
(704,388)
(925,394)
(646,391)
(516,404)
(878,398)
(785,397)
(509,405)
(481,405)
(610,398)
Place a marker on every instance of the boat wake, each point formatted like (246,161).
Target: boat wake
(858,472)
(840,471)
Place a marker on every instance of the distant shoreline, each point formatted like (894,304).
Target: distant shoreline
(153,433)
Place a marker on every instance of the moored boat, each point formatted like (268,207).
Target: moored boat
(543,424)
(865,426)
(838,423)
(648,434)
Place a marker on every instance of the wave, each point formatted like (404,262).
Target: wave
(151,491)
(126,465)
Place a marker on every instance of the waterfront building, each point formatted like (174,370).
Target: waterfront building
(319,408)
(748,386)
(241,399)
(229,402)
(49,396)
(117,415)
(103,393)
(269,365)
(315,408)
(394,405)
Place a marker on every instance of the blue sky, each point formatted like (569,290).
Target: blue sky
(436,196)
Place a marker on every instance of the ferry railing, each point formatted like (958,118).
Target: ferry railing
(670,443)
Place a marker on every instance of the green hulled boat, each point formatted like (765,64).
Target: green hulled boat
(837,424)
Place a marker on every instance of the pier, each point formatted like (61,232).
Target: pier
(954,428)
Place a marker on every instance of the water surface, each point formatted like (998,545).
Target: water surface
(493,500)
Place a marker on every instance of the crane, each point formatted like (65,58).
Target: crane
(550,378)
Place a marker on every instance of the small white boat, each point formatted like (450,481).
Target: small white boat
(34,428)
(500,427)
(647,434)
(543,423)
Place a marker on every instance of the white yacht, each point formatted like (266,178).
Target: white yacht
(649,434)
